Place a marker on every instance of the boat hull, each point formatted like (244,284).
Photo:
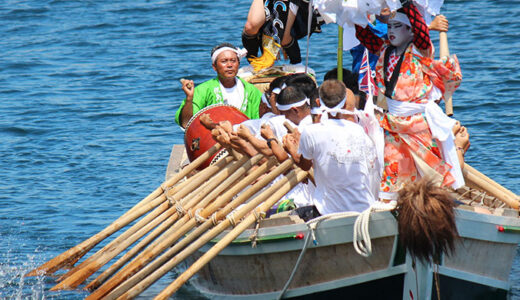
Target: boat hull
(332,268)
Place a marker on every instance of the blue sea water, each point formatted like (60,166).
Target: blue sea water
(88,92)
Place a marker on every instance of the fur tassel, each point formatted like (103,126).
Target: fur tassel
(426,220)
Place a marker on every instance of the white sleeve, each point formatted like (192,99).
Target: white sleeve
(306,146)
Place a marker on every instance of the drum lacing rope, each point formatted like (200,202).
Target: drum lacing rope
(254,236)
(313,224)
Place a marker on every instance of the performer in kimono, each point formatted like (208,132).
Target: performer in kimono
(418,136)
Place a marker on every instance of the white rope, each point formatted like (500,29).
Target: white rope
(231,219)
(363,246)
(198,217)
(312,225)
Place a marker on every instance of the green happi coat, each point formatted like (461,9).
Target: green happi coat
(209,93)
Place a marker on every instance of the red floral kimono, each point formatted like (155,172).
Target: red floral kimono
(409,145)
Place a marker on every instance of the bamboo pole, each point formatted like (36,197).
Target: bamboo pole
(247,164)
(75,253)
(129,270)
(79,274)
(492,182)
(340,54)
(444,51)
(136,249)
(159,262)
(294,178)
(479,181)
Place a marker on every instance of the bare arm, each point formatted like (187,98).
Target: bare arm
(290,144)
(258,144)
(187,110)
(273,143)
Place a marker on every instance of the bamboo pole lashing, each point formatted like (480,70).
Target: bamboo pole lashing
(164,241)
(78,275)
(220,214)
(136,287)
(294,177)
(476,181)
(248,163)
(75,253)
(492,182)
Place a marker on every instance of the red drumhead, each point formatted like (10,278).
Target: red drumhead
(197,139)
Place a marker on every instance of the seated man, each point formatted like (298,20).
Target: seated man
(341,152)
(225,88)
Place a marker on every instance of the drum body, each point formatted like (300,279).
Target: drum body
(197,138)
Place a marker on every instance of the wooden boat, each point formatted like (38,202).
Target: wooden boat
(237,253)
(330,267)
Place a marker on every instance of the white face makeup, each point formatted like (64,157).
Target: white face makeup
(399,33)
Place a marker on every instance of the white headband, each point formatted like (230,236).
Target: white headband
(284,107)
(277,90)
(400,17)
(264,100)
(333,110)
(240,53)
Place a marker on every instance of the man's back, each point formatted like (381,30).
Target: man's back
(344,160)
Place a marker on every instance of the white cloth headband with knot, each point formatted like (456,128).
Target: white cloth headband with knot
(241,53)
(277,90)
(285,107)
(333,110)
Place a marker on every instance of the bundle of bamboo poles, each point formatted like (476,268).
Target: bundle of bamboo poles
(173,222)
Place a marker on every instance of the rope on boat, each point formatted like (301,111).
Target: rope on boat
(254,236)
(363,246)
(360,225)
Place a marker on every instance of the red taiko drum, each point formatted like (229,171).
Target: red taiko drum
(197,139)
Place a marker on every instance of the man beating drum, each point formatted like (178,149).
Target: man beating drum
(226,88)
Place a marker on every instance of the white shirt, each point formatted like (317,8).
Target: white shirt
(344,160)
(254,125)
(235,95)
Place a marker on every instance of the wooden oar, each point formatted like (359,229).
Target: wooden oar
(492,182)
(294,178)
(445,51)
(152,251)
(203,203)
(480,181)
(165,266)
(76,252)
(79,274)
(159,262)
